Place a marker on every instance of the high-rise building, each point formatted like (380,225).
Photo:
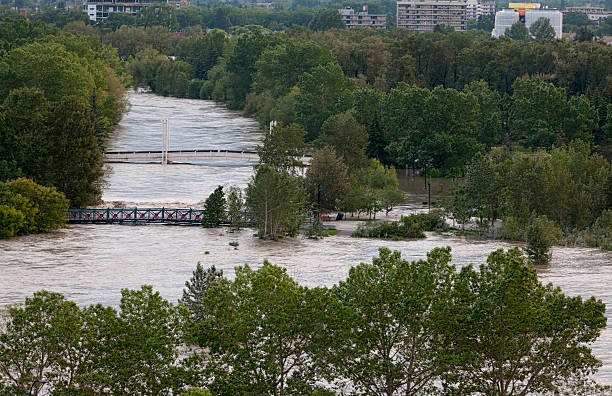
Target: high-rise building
(362,18)
(526,13)
(424,15)
(98,10)
(475,9)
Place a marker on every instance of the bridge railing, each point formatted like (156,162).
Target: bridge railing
(140,215)
(135,215)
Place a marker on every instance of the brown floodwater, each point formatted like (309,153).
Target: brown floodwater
(92,263)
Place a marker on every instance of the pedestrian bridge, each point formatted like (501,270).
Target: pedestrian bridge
(185,156)
(178,216)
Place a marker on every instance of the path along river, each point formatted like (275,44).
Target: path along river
(92,263)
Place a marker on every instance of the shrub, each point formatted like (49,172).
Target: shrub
(11,221)
(541,235)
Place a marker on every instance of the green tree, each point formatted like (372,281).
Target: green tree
(541,30)
(283,148)
(444,29)
(24,133)
(259,333)
(50,204)
(491,132)
(576,19)
(144,354)
(276,202)
(279,67)
(383,331)
(518,31)
(11,221)
(542,346)
(77,160)
(348,138)
(325,19)
(316,98)
(159,14)
(196,288)
(35,342)
(541,234)
(214,208)
(327,180)
(235,207)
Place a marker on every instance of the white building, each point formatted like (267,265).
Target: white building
(504,19)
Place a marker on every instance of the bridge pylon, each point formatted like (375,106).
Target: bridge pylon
(165,141)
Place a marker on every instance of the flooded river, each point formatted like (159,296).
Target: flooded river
(92,263)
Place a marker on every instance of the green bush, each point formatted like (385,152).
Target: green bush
(541,235)
(29,208)
(11,221)
(405,228)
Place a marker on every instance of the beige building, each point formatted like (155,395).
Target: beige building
(424,15)
(595,14)
(363,18)
(475,9)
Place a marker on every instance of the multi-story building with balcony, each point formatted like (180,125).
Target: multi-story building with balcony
(475,9)
(98,10)
(424,15)
(362,18)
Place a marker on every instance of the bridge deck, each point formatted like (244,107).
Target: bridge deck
(187,155)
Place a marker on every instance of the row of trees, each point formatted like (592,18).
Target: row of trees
(295,78)
(29,208)
(60,98)
(567,191)
(392,327)
(277,197)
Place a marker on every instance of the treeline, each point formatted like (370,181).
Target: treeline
(61,96)
(29,208)
(433,99)
(279,194)
(543,196)
(392,327)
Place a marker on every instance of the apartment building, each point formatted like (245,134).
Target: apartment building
(475,9)
(98,10)
(362,18)
(424,15)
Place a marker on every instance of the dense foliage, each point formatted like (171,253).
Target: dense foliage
(392,327)
(568,185)
(29,208)
(60,98)
(424,100)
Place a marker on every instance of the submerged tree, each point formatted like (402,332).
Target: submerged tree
(235,207)
(214,208)
(276,202)
(541,235)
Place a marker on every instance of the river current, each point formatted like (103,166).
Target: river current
(92,263)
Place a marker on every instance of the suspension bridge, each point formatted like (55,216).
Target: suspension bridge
(166,156)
